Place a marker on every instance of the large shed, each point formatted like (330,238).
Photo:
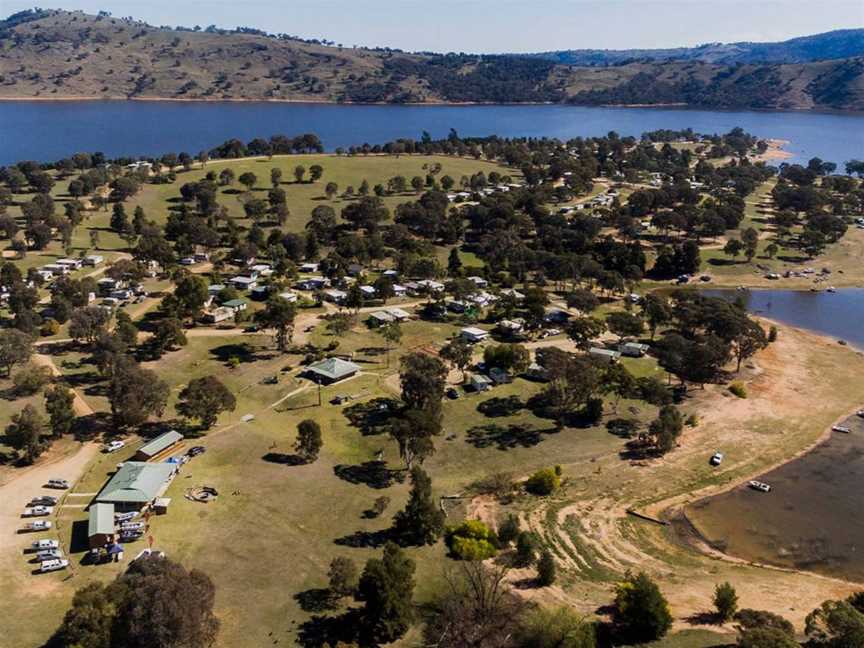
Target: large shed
(100,525)
(158,445)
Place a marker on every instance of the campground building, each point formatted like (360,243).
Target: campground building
(137,485)
(100,524)
(160,445)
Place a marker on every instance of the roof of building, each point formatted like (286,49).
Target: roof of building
(382,316)
(101,521)
(398,313)
(480,379)
(334,368)
(474,331)
(604,352)
(160,443)
(136,482)
(235,303)
(242,279)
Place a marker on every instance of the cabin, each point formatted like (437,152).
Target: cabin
(100,525)
(335,296)
(537,372)
(499,376)
(217,315)
(236,305)
(633,349)
(312,283)
(480,383)
(430,286)
(473,335)
(368,291)
(398,314)
(288,296)
(380,318)
(215,289)
(137,484)
(93,259)
(399,291)
(510,328)
(331,370)
(604,355)
(480,282)
(241,282)
(308,268)
(158,446)
(72,264)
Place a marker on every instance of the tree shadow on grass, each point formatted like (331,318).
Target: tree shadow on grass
(505,437)
(375,474)
(365,539)
(320,630)
(285,459)
(704,618)
(86,428)
(317,599)
(497,407)
(243,352)
(372,417)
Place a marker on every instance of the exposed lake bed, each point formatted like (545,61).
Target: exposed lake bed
(813,517)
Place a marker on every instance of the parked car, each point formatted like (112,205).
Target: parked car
(841,428)
(132,536)
(128,527)
(38,525)
(114,446)
(123,517)
(760,486)
(43,500)
(57,483)
(194,451)
(48,554)
(452,394)
(38,511)
(716,459)
(53,565)
(42,545)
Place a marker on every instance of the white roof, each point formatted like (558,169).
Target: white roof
(474,331)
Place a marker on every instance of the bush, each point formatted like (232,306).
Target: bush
(471,540)
(50,327)
(593,410)
(543,482)
(738,390)
(641,609)
(772,334)
(525,550)
(508,530)
(31,379)
(726,601)
(546,569)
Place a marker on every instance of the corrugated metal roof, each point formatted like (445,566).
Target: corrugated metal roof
(136,481)
(101,521)
(161,442)
(334,368)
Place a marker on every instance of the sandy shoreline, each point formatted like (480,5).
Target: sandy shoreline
(776,151)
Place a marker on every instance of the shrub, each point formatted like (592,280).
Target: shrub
(471,540)
(50,327)
(593,410)
(692,420)
(31,379)
(738,390)
(641,609)
(525,550)
(726,601)
(508,530)
(772,334)
(543,482)
(546,569)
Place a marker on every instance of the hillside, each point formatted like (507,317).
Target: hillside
(838,44)
(59,54)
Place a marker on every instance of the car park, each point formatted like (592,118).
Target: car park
(53,565)
(42,545)
(114,446)
(38,511)
(38,525)
(57,483)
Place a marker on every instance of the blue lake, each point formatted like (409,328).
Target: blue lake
(49,130)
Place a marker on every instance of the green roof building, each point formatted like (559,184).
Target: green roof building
(100,525)
(136,484)
(332,370)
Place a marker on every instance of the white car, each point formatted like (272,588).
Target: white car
(39,525)
(42,545)
(125,517)
(114,445)
(48,554)
(57,483)
(38,511)
(841,428)
(716,459)
(53,565)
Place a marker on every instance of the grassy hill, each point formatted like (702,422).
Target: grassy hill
(60,54)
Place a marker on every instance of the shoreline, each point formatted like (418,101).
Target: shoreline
(431,104)
(674,509)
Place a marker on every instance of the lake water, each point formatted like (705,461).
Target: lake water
(838,315)
(50,130)
(814,516)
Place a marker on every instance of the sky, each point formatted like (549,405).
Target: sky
(496,25)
